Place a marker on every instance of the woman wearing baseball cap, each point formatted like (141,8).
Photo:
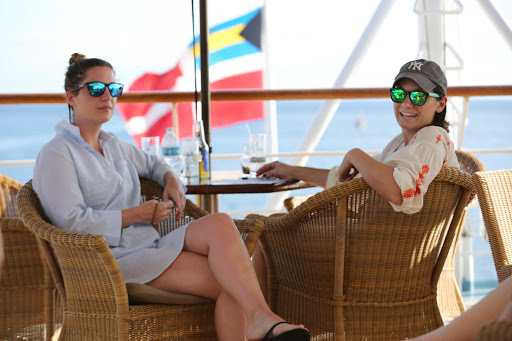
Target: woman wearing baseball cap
(402,172)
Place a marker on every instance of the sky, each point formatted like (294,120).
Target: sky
(308,43)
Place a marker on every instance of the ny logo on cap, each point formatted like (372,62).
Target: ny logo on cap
(415,65)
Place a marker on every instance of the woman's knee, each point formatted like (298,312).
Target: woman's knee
(223,223)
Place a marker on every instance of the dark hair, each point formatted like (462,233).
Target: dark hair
(77,72)
(440,118)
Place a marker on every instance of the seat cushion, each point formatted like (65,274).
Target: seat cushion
(145,294)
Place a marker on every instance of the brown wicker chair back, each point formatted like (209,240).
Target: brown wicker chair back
(350,268)
(495,201)
(93,291)
(28,298)
(449,297)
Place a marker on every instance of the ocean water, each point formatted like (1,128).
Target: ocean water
(367,124)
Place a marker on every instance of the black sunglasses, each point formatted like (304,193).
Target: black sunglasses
(96,89)
(417,97)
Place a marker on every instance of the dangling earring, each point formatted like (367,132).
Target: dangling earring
(71,114)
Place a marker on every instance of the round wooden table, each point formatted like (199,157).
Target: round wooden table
(230,182)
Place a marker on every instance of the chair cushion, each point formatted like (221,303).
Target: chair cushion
(145,294)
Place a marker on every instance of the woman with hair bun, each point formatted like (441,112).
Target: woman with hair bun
(88,181)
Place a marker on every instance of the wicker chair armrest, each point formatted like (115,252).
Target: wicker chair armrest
(9,184)
(468,163)
(292,202)
(495,331)
(250,230)
(194,211)
(8,189)
(13,224)
(504,272)
(151,189)
(345,189)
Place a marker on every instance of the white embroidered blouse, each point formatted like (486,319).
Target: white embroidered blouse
(416,164)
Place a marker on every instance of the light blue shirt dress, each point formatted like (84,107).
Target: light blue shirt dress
(84,191)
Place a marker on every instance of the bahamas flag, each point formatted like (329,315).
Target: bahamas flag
(236,62)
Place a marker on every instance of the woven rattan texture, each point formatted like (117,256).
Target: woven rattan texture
(350,268)
(93,291)
(494,190)
(449,297)
(28,298)
(495,331)
(8,190)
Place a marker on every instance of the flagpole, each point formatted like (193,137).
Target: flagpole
(205,74)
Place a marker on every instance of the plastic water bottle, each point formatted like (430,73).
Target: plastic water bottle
(171,151)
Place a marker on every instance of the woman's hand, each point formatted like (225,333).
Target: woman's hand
(162,212)
(276,169)
(174,193)
(145,213)
(347,170)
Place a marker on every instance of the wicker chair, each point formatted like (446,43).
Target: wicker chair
(350,268)
(94,294)
(495,201)
(449,297)
(27,294)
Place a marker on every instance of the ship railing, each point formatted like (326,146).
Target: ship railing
(465,92)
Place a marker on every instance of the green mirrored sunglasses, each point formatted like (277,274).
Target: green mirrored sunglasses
(417,97)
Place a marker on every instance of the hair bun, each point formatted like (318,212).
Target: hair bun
(75,58)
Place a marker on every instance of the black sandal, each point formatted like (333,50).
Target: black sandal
(298,334)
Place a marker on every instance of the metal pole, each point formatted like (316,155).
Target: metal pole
(271,127)
(205,69)
(497,20)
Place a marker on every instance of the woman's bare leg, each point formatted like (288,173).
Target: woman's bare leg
(260,267)
(216,237)
(464,327)
(230,320)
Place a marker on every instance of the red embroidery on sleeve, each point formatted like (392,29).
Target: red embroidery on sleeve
(438,138)
(448,143)
(419,181)
(445,161)
(408,193)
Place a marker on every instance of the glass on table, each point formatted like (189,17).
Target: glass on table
(151,145)
(245,161)
(257,152)
(190,150)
